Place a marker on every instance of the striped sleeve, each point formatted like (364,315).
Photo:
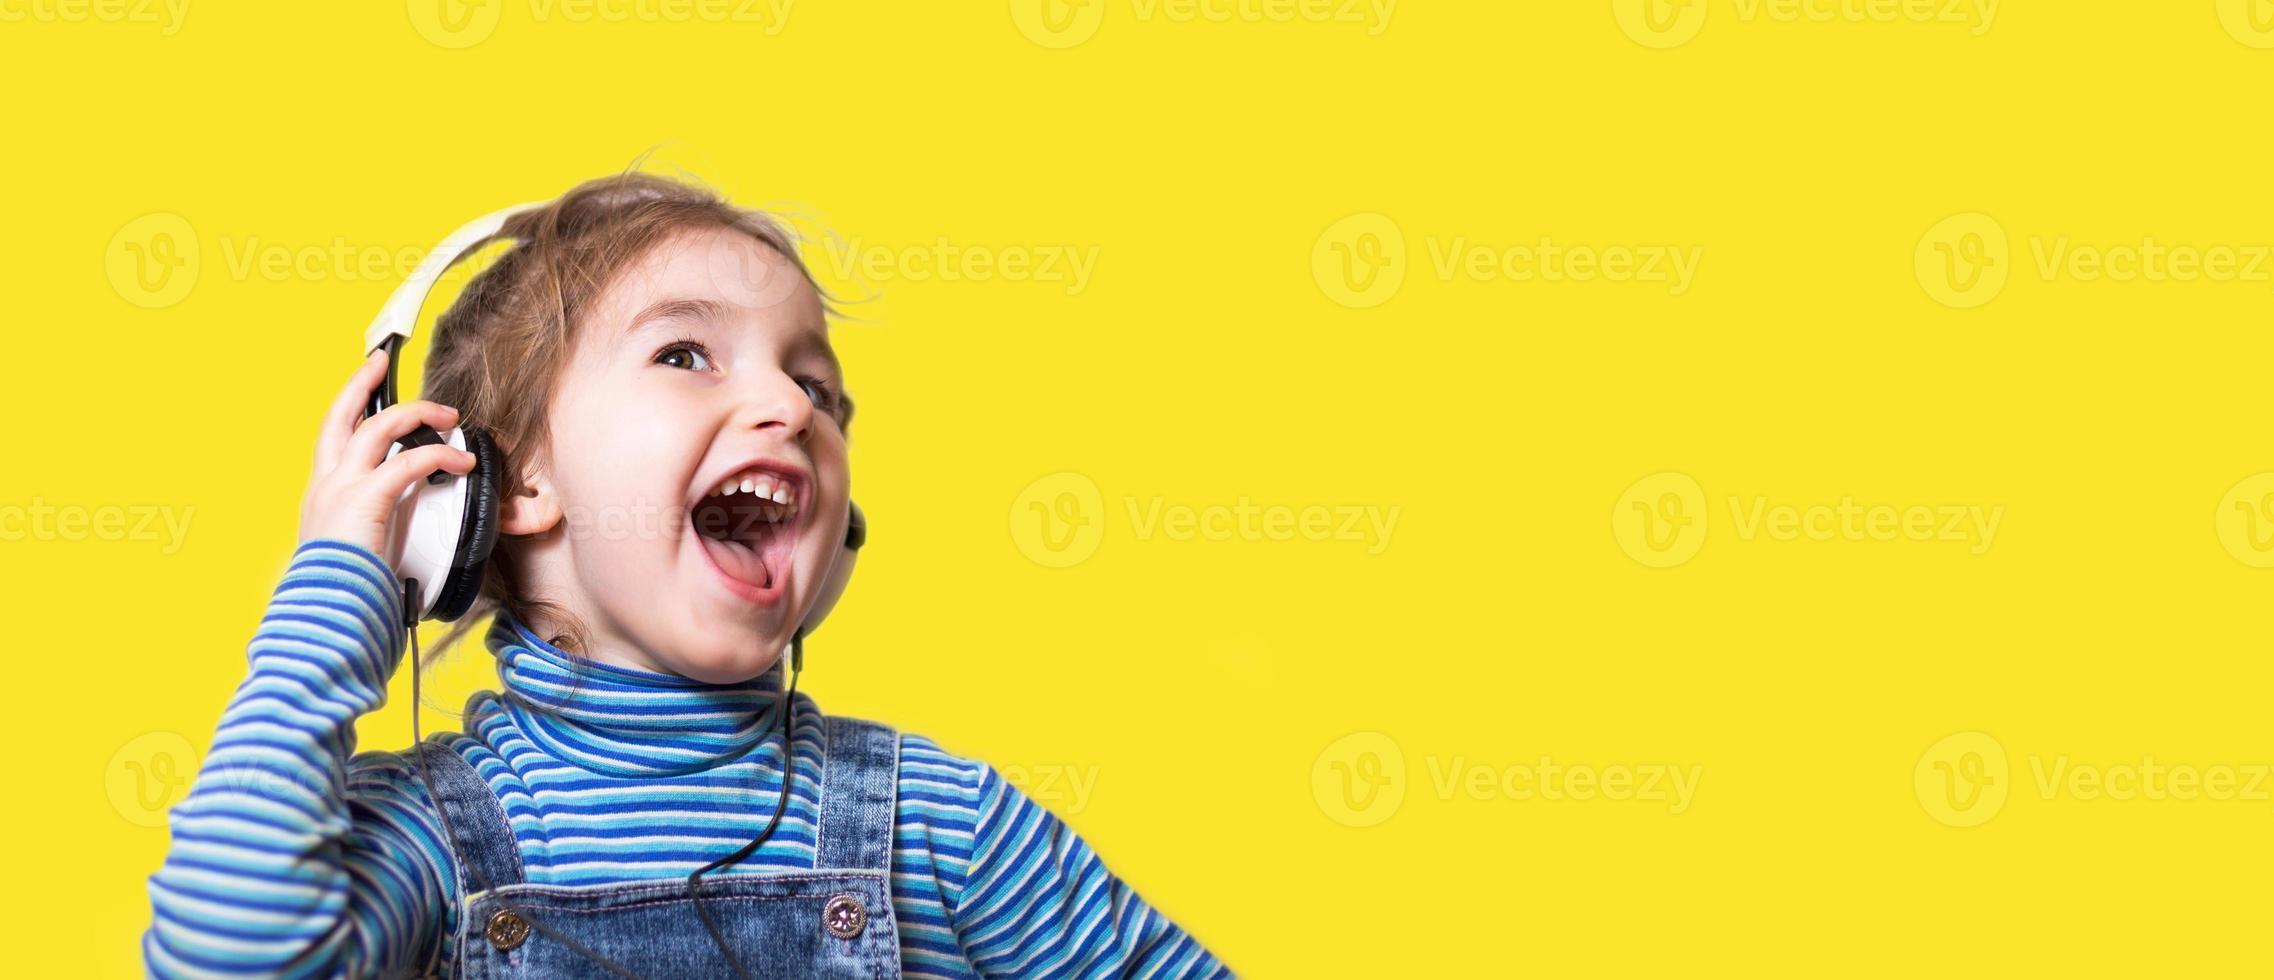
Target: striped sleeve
(938,810)
(1035,900)
(292,855)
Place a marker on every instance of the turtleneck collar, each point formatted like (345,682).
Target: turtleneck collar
(620,721)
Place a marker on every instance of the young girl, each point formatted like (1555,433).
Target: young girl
(653,367)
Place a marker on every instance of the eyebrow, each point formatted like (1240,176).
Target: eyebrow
(700,310)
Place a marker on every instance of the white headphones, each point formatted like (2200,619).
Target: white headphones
(445,526)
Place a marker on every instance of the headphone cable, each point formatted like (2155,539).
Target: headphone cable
(784,707)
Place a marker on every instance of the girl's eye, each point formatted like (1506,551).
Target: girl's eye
(819,392)
(685,355)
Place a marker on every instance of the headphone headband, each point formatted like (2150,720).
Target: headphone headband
(401,312)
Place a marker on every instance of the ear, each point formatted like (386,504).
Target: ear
(532,508)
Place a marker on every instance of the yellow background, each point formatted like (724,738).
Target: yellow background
(1208,691)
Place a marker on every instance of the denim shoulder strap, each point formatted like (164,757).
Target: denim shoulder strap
(860,782)
(478,830)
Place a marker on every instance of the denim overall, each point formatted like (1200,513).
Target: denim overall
(833,921)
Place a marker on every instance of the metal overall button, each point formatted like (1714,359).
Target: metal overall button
(506,930)
(844,916)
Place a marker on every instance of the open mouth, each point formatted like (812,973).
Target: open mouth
(746,526)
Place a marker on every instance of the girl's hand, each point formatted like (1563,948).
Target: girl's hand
(353,492)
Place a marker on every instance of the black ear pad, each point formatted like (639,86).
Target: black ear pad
(477,534)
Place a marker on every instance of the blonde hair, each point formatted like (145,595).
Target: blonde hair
(498,349)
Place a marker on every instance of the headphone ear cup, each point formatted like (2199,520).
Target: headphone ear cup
(477,534)
(840,569)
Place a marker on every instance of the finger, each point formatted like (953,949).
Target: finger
(397,474)
(373,435)
(339,421)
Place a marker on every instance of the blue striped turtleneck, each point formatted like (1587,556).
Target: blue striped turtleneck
(606,774)
(617,721)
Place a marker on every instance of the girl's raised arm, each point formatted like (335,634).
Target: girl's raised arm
(292,855)
(289,857)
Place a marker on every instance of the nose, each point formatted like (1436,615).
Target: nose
(775,401)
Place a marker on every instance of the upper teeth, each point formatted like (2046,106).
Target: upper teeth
(766,487)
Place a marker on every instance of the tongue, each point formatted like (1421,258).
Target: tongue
(738,560)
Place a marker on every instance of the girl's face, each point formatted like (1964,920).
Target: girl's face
(707,363)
